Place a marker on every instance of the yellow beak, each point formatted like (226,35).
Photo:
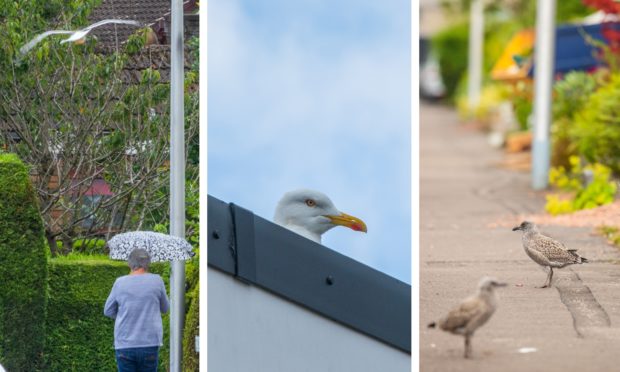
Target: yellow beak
(346,220)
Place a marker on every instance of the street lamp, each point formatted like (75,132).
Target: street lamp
(177,182)
(543,84)
(476,42)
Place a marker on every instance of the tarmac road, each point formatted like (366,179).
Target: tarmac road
(574,326)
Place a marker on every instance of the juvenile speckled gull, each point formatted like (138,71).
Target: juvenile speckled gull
(545,251)
(311,213)
(472,312)
(76,35)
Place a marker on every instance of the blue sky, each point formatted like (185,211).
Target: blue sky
(316,94)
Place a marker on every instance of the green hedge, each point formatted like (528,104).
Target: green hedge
(23,269)
(450,45)
(79,337)
(192,319)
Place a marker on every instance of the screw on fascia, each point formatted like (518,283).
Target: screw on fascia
(329,280)
(215,234)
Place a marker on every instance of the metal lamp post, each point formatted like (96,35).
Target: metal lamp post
(476,41)
(543,82)
(177,183)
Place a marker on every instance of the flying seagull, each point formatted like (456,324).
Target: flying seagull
(472,312)
(546,251)
(311,213)
(77,36)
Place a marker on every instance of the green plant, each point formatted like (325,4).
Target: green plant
(611,233)
(571,95)
(451,47)
(23,269)
(192,320)
(596,128)
(522,10)
(523,108)
(584,194)
(572,92)
(89,246)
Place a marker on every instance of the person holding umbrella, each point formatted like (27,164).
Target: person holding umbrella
(136,302)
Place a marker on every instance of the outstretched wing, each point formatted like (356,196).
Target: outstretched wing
(23,50)
(117,21)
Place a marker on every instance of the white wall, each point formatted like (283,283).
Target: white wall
(252,330)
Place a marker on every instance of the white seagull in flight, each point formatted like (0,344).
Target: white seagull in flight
(311,213)
(77,36)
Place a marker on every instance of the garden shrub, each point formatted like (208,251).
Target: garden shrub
(23,269)
(596,128)
(571,94)
(450,45)
(589,187)
(79,337)
(190,357)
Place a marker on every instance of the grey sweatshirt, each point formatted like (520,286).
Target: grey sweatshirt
(137,302)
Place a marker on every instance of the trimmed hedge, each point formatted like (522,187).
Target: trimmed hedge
(192,319)
(79,337)
(23,269)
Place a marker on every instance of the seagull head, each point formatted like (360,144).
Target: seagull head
(525,226)
(311,213)
(488,284)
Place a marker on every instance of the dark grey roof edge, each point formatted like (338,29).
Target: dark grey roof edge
(261,253)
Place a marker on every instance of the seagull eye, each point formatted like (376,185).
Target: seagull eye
(310,203)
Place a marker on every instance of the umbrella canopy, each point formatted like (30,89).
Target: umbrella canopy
(161,247)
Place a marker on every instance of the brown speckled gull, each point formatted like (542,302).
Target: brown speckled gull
(545,251)
(471,313)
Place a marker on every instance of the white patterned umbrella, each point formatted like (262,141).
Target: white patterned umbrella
(161,247)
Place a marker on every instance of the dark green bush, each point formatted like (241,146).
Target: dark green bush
(451,47)
(79,337)
(23,269)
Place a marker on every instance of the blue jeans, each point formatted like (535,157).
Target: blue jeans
(139,359)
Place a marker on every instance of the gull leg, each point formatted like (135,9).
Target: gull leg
(467,346)
(548,281)
(550,275)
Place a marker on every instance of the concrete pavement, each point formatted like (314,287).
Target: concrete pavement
(574,326)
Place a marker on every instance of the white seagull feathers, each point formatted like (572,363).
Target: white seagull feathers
(311,213)
(76,35)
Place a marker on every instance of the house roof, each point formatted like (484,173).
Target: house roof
(156,57)
(155,13)
(99,187)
